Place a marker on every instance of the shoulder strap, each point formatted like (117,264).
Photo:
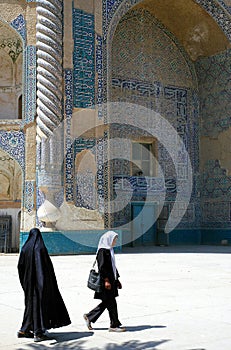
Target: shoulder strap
(94,263)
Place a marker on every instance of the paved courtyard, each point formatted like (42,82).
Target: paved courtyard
(172,299)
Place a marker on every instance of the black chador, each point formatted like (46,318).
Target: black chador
(44,306)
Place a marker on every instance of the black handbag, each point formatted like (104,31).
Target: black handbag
(94,280)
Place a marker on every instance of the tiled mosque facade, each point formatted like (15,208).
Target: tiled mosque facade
(115,114)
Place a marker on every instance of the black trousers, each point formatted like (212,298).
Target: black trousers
(111,306)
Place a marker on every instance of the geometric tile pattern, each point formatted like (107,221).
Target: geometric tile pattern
(84,59)
(29,196)
(87,180)
(100,174)
(81,144)
(215,213)
(215,92)
(146,61)
(179,104)
(215,183)
(225,4)
(215,196)
(109,7)
(99,70)
(142,78)
(73,147)
(69,155)
(30,82)
(13,142)
(210,185)
(19,24)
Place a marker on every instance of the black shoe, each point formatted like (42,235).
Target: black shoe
(27,334)
(41,337)
(117,329)
(88,323)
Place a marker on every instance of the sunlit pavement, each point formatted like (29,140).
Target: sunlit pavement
(173,298)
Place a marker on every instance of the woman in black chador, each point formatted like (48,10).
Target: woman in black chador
(109,275)
(44,306)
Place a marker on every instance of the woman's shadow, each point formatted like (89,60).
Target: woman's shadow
(134,328)
(67,336)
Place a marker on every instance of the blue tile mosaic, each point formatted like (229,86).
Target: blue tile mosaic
(215,196)
(225,4)
(29,195)
(99,71)
(132,81)
(81,144)
(100,157)
(84,59)
(215,96)
(69,155)
(30,90)
(19,24)
(215,178)
(13,142)
(87,180)
(40,198)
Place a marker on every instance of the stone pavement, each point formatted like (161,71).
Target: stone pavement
(173,298)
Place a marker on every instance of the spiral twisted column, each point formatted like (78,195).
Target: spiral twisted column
(49,66)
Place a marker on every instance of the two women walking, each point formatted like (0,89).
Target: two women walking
(44,306)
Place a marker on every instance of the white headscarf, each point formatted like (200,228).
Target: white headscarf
(106,242)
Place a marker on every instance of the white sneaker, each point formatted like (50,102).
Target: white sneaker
(117,329)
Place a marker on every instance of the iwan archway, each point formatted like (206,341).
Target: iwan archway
(173,57)
(10,203)
(11,137)
(11,58)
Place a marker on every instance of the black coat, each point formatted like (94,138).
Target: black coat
(37,277)
(106,271)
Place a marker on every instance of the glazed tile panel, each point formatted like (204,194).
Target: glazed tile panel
(99,71)
(69,155)
(154,73)
(19,24)
(215,196)
(211,72)
(30,91)
(13,142)
(215,93)
(87,180)
(84,59)
(173,92)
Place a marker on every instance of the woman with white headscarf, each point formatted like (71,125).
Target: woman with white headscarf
(107,268)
